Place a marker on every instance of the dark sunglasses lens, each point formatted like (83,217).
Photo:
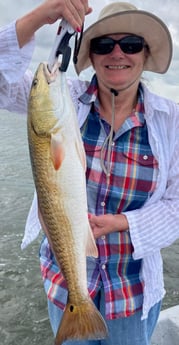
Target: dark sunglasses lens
(128,44)
(131,44)
(102,45)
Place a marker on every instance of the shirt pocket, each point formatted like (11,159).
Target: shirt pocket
(141,172)
(144,157)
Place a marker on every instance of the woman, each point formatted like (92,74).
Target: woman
(131,138)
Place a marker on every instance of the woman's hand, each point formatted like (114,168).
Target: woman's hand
(107,223)
(73,11)
(49,12)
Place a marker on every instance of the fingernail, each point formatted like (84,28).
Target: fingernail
(78,29)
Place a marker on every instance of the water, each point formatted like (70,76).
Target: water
(23,315)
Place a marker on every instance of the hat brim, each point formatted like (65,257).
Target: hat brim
(141,23)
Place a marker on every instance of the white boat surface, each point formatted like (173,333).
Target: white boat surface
(167,329)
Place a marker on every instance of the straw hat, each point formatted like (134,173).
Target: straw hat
(122,17)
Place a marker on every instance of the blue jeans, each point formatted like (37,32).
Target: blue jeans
(123,331)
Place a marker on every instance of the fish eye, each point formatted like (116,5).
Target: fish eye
(35,82)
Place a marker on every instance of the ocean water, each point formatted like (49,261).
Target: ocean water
(23,314)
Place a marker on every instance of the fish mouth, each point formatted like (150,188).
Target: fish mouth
(51,76)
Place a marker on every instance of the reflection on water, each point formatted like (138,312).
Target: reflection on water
(23,316)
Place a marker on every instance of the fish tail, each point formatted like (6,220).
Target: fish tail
(81,322)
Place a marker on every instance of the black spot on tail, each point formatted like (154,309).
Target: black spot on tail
(71,308)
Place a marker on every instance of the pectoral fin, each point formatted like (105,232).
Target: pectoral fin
(57,150)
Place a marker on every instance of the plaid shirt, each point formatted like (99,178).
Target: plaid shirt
(133,174)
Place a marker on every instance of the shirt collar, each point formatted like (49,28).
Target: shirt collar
(90,95)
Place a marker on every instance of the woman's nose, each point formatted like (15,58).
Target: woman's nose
(117,50)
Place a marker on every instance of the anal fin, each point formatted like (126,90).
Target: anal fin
(91,248)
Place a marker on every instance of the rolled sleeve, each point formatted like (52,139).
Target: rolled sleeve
(14,61)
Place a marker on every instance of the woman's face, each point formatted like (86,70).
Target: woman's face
(117,69)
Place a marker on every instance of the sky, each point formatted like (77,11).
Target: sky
(166,85)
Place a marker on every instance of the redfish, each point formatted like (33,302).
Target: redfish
(58,165)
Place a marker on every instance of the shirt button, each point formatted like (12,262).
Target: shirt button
(103,266)
(145,157)
(102,203)
(113,143)
(103,237)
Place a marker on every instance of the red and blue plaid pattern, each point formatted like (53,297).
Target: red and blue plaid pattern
(133,174)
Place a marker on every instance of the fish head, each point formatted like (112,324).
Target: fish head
(44,100)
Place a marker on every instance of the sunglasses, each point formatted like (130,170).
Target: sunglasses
(128,44)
